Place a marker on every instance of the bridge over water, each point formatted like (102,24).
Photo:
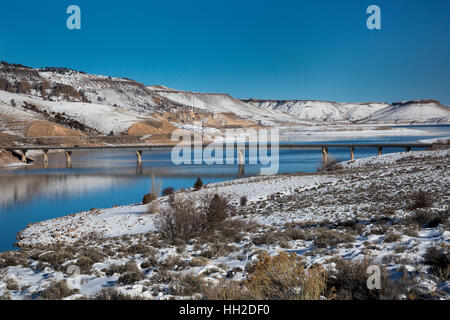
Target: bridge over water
(140,149)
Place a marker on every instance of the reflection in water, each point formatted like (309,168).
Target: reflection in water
(20,189)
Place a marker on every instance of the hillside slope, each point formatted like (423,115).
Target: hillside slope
(223,103)
(413,111)
(320,110)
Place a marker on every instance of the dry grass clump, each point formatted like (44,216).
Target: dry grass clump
(14,258)
(349,282)
(392,237)
(186,285)
(57,291)
(130,272)
(284,277)
(439,263)
(57,257)
(11,284)
(113,294)
(422,199)
(326,238)
(225,290)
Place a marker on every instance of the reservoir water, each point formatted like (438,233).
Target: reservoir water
(101,180)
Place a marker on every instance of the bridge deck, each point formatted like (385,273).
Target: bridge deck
(170,147)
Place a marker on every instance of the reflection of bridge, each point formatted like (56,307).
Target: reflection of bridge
(139,149)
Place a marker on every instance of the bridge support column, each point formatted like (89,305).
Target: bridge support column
(380,151)
(139,156)
(352,153)
(241,157)
(45,156)
(241,171)
(68,156)
(325,156)
(24,156)
(407,149)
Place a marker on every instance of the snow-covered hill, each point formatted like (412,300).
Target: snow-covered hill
(320,110)
(122,101)
(423,111)
(223,103)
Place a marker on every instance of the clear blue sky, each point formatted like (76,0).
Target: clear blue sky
(274,49)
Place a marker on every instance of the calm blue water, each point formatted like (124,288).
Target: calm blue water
(101,180)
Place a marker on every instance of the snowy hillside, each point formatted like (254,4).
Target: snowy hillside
(103,118)
(223,103)
(124,101)
(424,111)
(321,110)
(413,111)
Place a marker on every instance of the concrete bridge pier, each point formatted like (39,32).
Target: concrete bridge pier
(241,157)
(241,171)
(45,155)
(352,153)
(68,156)
(325,156)
(24,156)
(380,151)
(139,156)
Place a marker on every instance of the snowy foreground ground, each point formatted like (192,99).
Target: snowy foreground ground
(363,210)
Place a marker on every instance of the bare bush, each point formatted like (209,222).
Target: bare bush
(422,199)
(168,191)
(284,277)
(439,263)
(181,220)
(58,291)
(349,282)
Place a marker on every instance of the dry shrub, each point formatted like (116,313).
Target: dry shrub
(181,220)
(326,238)
(168,191)
(284,277)
(58,257)
(190,217)
(439,263)
(153,207)
(113,294)
(243,201)
(186,285)
(331,164)
(148,198)
(130,273)
(216,209)
(422,199)
(198,184)
(392,237)
(225,290)
(349,282)
(58,291)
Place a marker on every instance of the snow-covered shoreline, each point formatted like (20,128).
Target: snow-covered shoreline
(133,219)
